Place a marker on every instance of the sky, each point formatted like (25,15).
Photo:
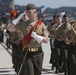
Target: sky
(47,3)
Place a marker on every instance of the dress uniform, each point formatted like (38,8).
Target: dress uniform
(72,52)
(34,32)
(51,28)
(16,36)
(64,33)
(58,46)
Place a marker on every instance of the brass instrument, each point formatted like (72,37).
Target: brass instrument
(68,36)
(72,33)
(74,26)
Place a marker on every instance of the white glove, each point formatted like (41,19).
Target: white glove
(18,19)
(38,38)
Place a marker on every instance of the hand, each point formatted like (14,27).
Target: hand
(38,38)
(45,40)
(33,34)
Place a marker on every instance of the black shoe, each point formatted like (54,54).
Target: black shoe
(60,70)
(52,67)
(13,66)
(65,73)
(57,71)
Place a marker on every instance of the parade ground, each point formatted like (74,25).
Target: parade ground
(6,66)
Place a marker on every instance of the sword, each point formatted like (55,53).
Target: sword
(22,62)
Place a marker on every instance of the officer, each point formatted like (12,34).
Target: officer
(34,33)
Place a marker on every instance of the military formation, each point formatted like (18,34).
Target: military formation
(62,41)
(27,32)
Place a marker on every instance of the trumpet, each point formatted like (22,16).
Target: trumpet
(74,26)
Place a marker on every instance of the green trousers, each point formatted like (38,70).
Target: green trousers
(33,62)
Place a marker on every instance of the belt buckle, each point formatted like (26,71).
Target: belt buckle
(33,49)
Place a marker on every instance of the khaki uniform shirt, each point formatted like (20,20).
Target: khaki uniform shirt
(74,34)
(64,32)
(52,30)
(25,27)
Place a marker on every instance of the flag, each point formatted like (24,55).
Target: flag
(13,13)
(43,8)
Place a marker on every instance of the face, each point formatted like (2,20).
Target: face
(32,14)
(25,17)
(59,20)
(55,20)
(65,20)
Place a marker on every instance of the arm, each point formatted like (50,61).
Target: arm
(15,22)
(39,38)
(12,25)
(45,34)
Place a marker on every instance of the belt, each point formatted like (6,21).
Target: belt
(32,49)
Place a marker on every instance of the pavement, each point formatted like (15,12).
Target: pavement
(6,61)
